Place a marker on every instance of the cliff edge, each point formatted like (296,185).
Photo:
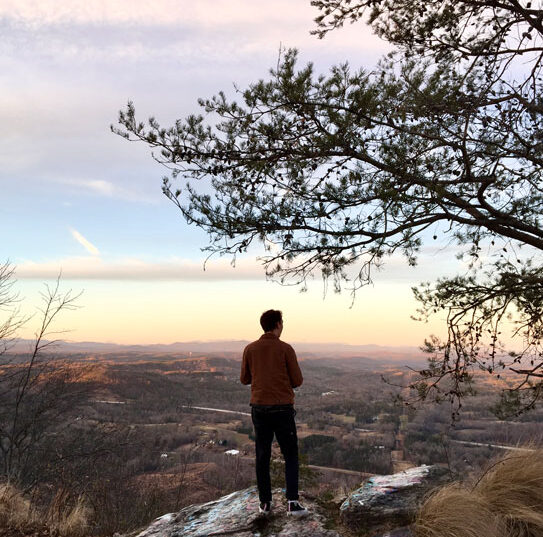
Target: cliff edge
(382,507)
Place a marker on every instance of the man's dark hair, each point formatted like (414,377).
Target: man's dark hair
(270,319)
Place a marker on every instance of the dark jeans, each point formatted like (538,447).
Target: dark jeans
(278,420)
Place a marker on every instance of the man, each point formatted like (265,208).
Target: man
(270,366)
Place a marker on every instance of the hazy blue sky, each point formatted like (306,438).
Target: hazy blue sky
(79,199)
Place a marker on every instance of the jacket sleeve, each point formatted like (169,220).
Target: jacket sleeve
(245,375)
(296,378)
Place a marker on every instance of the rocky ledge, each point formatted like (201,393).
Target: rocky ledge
(236,515)
(388,501)
(382,507)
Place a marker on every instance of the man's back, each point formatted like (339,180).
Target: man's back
(271,367)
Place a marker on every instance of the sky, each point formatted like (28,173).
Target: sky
(80,201)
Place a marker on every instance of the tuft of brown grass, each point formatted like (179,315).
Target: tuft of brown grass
(454,511)
(68,517)
(15,510)
(507,501)
(75,522)
(513,488)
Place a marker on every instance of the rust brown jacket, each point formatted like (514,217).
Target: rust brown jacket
(270,366)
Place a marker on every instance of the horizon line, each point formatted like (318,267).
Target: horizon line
(204,341)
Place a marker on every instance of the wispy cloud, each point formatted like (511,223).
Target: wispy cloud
(432,264)
(100,187)
(168,12)
(170,28)
(95,268)
(84,242)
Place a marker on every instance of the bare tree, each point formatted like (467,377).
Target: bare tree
(8,306)
(37,390)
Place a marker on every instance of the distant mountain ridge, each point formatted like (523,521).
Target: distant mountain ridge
(391,354)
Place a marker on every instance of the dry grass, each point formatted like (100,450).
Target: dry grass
(507,501)
(76,521)
(514,488)
(69,518)
(66,518)
(455,512)
(15,510)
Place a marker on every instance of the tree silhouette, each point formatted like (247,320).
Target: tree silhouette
(443,139)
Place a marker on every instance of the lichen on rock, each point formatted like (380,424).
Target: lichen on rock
(236,515)
(385,502)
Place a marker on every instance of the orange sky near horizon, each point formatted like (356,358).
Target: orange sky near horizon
(165,312)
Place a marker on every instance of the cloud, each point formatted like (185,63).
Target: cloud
(166,29)
(433,263)
(100,187)
(162,12)
(84,242)
(96,186)
(94,268)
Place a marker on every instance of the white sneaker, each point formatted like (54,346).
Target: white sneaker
(295,508)
(264,508)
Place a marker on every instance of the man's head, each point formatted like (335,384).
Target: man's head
(271,320)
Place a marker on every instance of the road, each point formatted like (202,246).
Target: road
(362,475)
(219,410)
(496,446)
(247,414)
(340,470)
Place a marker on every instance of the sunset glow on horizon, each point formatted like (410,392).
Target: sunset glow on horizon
(166,312)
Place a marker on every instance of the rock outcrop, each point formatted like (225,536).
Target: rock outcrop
(236,515)
(391,501)
(383,507)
